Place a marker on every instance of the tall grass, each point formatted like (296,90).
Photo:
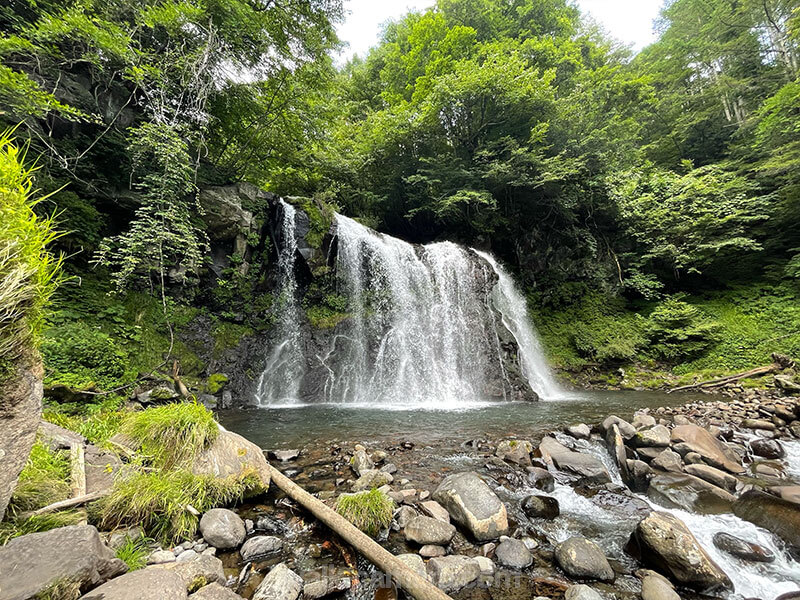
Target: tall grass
(29,273)
(43,480)
(370,511)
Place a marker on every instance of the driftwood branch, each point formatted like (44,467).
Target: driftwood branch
(780,362)
(71,502)
(408,580)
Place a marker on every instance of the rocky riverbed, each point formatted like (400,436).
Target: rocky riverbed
(690,501)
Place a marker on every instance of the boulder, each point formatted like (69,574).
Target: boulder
(616,446)
(582,559)
(790,493)
(31,563)
(404,515)
(585,467)
(326,586)
(758,424)
(714,452)
(742,548)
(198,572)
(581,592)
(232,456)
(665,543)
(777,515)
(626,429)
(541,479)
(719,478)
(639,475)
(541,507)
(427,530)
(655,437)
(770,449)
(451,573)
(58,438)
(361,462)
(685,491)
(787,384)
(669,461)
(486,565)
(260,546)
(215,591)
(515,451)
(222,528)
(415,563)
(371,479)
(474,505)
(643,421)
(656,587)
(281,583)
(147,584)
(160,557)
(513,554)
(435,510)
(284,455)
(580,431)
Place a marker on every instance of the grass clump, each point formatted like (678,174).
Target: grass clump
(64,589)
(370,511)
(43,480)
(159,501)
(14,527)
(29,273)
(97,423)
(134,552)
(172,434)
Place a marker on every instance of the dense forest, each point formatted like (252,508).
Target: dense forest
(645,200)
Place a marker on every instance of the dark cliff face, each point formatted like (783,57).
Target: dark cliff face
(245,232)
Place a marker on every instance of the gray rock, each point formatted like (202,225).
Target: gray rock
(361,463)
(787,383)
(215,591)
(427,530)
(626,429)
(371,479)
(325,586)
(435,510)
(714,452)
(486,565)
(118,538)
(31,563)
(451,573)
(585,467)
(771,449)
(404,515)
(197,572)
(742,548)
(693,458)
(781,517)
(160,393)
(515,451)
(432,551)
(186,556)
(639,475)
(581,558)
(668,461)
(474,505)
(222,528)
(390,468)
(281,583)
(147,584)
(284,455)
(580,431)
(719,478)
(541,507)
(655,437)
(541,479)
(160,557)
(21,407)
(685,491)
(655,587)
(259,546)
(58,438)
(581,592)
(231,455)
(643,421)
(665,543)
(513,554)
(415,563)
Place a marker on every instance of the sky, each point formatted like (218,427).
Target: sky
(630,21)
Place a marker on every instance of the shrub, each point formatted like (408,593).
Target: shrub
(82,357)
(28,272)
(370,511)
(43,480)
(679,331)
(172,434)
(159,501)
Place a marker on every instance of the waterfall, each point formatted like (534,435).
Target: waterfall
(512,305)
(282,376)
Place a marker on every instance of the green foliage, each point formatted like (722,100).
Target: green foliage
(216,382)
(11,527)
(158,501)
(82,357)
(172,434)
(370,511)
(29,273)
(96,422)
(678,331)
(43,480)
(134,552)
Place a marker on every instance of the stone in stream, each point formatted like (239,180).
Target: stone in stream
(222,528)
(415,563)
(664,543)
(580,558)
(719,478)
(371,479)
(427,530)
(160,557)
(486,565)
(281,583)
(215,591)
(435,510)
(361,462)
(146,584)
(656,587)
(771,449)
(284,455)
(779,516)
(541,479)
(259,546)
(541,507)
(643,421)
(326,586)
(581,592)
(451,573)
(403,516)
(513,554)
(616,446)
(585,467)
(31,563)
(668,460)
(655,437)
(626,429)
(432,551)
(648,454)
(758,424)
(515,451)
(742,548)
(790,493)
(580,431)
(639,475)
(473,504)
(231,455)
(714,452)
(685,491)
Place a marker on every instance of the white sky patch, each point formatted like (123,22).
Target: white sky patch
(630,21)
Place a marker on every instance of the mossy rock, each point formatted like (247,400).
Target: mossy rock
(216,383)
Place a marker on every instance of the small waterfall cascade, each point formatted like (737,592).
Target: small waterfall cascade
(514,309)
(283,374)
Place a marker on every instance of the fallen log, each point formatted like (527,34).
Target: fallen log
(77,475)
(406,578)
(780,362)
(70,502)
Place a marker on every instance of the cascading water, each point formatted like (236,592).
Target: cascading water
(280,381)
(514,309)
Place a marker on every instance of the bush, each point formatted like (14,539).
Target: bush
(159,501)
(172,434)
(370,511)
(679,331)
(82,357)
(28,272)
